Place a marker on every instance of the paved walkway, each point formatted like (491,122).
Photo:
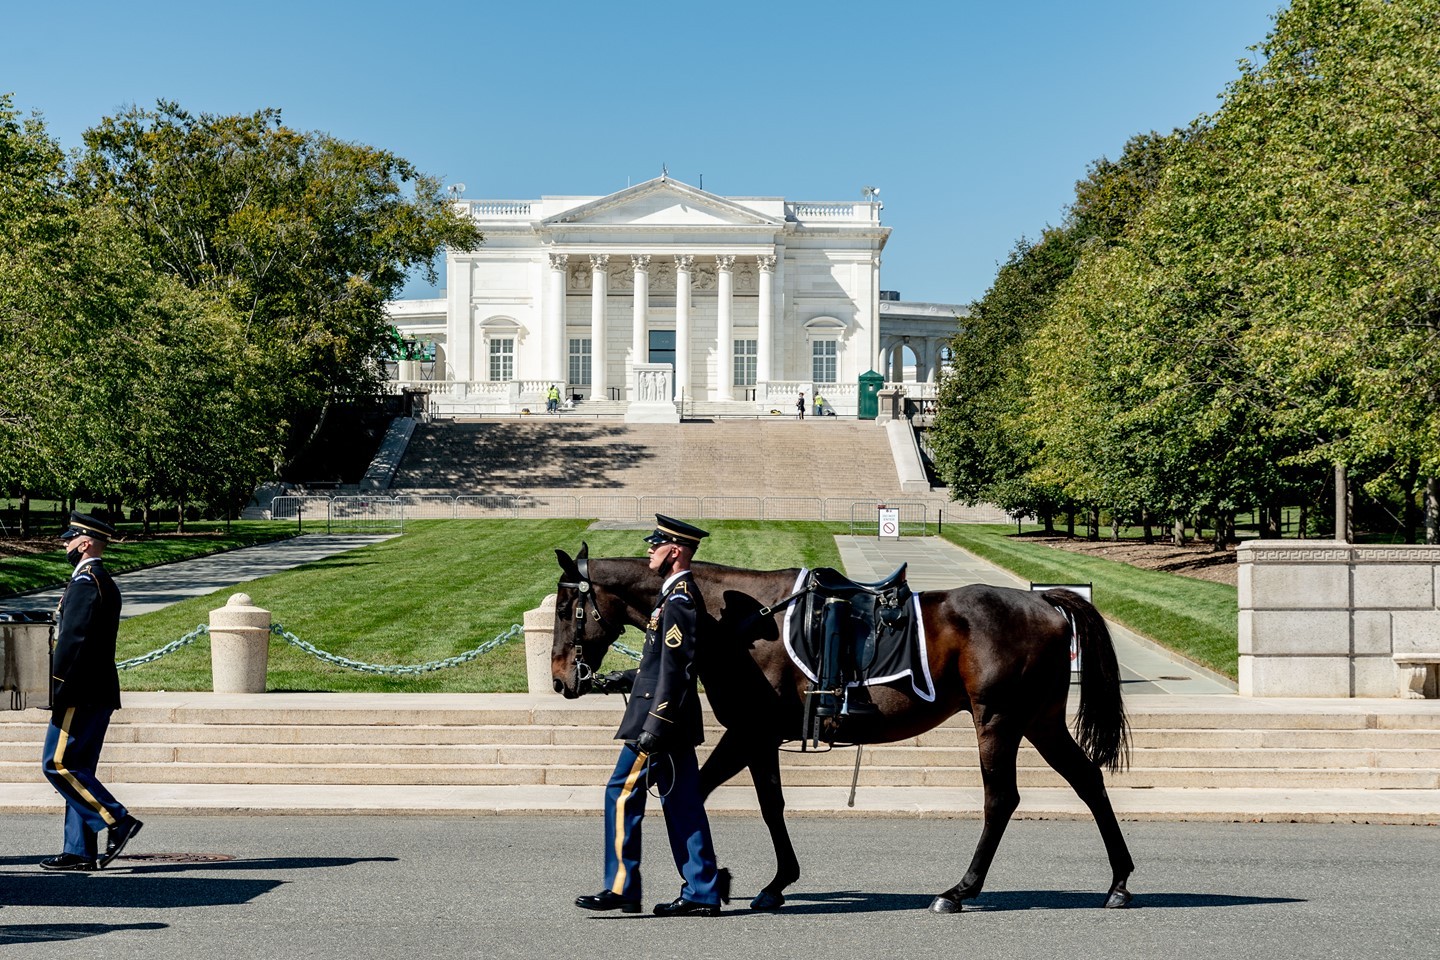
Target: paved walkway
(148,590)
(937,564)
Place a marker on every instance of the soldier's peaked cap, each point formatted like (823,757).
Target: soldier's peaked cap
(670,530)
(84,525)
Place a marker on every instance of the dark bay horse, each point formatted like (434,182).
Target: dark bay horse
(1000,653)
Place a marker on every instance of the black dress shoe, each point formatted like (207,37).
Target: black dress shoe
(680,907)
(120,834)
(68,861)
(605,900)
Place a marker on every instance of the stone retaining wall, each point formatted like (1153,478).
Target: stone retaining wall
(1320,618)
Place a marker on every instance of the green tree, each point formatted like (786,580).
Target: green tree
(304,236)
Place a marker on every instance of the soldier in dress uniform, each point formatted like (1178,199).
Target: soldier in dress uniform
(85,691)
(661,729)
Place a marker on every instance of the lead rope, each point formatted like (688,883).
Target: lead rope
(649,760)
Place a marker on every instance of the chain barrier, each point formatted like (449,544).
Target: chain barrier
(632,654)
(189,638)
(514,633)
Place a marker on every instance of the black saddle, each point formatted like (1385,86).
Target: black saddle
(831,581)
(852,632)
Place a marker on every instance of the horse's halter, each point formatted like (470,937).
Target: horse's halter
(586,590)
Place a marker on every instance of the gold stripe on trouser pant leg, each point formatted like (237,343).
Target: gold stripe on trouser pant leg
(59,761)
(618,887)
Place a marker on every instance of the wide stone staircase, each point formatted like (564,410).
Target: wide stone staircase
(528,742)
(826,457)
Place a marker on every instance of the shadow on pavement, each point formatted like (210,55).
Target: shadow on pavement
(125,890)
(854,901)
(47,932)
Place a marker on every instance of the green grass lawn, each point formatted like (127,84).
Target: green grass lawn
(442,588)
(1195,618)
(39,571)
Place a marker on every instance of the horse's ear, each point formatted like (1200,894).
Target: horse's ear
(567,566)
(584,553)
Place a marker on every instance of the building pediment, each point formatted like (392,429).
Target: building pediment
(662,203)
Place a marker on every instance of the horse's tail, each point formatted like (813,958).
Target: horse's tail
(1100,723)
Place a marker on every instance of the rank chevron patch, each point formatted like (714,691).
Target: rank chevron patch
(673,637)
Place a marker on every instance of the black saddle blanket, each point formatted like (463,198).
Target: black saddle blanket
(899,651)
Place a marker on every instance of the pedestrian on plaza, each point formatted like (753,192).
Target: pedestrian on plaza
(552,400)
(661,729)
(800,407)
(85,691)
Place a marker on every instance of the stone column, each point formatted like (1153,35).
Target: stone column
(599,292)
(640,337)
(725,359)
(683,264)
(767,318)
(552,365)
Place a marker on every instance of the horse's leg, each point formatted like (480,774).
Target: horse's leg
(733,753)
(765,771)
(999,743)
(1059,749)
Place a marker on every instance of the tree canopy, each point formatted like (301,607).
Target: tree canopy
(183,300)
(1249,301)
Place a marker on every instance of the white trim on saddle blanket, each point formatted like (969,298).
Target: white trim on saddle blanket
(927,694)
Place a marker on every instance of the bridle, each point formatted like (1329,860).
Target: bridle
(585,588)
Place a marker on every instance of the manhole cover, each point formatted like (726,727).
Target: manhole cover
(179,857)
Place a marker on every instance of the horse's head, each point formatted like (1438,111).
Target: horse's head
(588,618)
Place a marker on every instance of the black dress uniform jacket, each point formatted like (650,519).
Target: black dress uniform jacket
(664,700)
(83,664)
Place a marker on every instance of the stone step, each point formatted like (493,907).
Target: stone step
(603,755)
(837,775)
(606,712)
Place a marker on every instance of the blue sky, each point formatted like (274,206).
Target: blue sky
(974,119)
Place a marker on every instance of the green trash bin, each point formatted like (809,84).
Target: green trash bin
(871,383)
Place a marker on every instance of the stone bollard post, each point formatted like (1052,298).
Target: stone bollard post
(539,638)
(239,646)
(25,646)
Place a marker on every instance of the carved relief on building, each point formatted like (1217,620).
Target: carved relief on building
(662,276)
(745,277)
(704,277)
(578,277)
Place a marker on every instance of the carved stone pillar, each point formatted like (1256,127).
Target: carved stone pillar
(725,354)
(599,291)
(683,265)
(552,364)
(640,335)
(765,347)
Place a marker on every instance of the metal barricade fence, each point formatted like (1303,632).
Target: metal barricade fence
(865,516)
(793,508)
(366,515)
(609,508)
(357,514)
(732,508)
(495,506)
(548,506)
(427,506)
(670,506)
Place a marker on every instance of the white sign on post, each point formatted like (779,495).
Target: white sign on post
(1085,590)
(889,523)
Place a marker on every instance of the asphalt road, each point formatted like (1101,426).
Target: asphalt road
(499,887)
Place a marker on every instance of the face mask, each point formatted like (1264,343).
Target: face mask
(74,556)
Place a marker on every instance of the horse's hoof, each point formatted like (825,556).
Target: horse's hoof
(767,901)
(1119,899)
(943,904)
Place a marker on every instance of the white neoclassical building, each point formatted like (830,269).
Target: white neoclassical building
(663,295)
